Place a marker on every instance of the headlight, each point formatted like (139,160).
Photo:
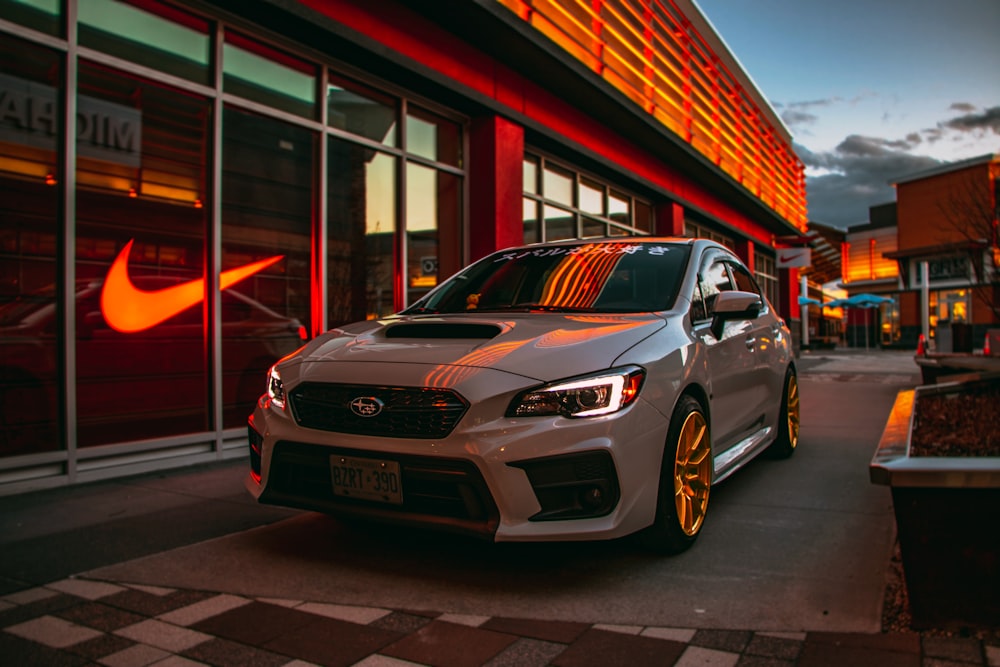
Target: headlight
(275,388)
(585,396)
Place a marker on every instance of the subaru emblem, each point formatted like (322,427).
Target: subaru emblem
(366,406)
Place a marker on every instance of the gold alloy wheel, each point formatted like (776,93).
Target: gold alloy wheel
(692,473)
(792,411)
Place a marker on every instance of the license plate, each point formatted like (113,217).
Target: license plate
(366,479)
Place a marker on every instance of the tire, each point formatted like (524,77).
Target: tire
(788,421)
(685,482)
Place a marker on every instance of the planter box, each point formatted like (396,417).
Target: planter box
(947,516)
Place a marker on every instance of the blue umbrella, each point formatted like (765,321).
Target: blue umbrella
(809,301)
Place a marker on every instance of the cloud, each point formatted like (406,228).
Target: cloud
(855,176)
(843,183)
(985,122)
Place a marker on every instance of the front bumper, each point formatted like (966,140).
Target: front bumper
(528,479)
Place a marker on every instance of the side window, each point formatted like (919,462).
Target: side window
(744,281)
(713,279)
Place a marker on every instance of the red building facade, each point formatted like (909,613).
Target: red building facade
(190,189)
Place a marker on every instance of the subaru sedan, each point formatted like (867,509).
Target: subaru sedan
(574,390)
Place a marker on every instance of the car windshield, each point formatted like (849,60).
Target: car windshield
(599,277)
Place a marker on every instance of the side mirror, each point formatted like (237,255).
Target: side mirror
(734,305)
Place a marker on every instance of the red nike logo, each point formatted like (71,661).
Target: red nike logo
(128,309)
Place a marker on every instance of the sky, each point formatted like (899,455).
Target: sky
(870,90)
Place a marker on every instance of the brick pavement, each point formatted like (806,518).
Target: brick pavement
(86,622)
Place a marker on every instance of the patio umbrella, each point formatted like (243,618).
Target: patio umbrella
(809,301)
(863,300)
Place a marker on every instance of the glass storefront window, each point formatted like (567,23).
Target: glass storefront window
(433,216)
(141,351)
(155,35)
(266,75)
(559,224)
(557,185)
(530,175)
(432,137)
(358,110)
(41,15)
(529,213)
(267,213)
(30,312)
(361,191)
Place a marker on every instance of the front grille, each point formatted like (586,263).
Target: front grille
(446,493)
(407,412)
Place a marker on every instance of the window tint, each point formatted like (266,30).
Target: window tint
(744,281)
(712,280)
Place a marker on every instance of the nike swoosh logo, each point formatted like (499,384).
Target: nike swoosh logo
(128,309)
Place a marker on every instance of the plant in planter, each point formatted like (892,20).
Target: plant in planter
(940,455)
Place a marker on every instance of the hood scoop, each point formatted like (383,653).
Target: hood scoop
(443,330)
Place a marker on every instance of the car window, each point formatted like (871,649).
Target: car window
(712,279)
(744,281)
(599,277)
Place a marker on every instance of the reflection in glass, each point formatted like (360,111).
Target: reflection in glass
(529,212)
(260,73)
(363,112)
(591,197)
(530,175)
(267,204)
(136,203)
(157,36)
(433,214)
(557,185)
(30,317)
(432,137)
(361,229)
(559,224)
(41,15)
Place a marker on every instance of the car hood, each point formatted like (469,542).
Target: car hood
(539,346)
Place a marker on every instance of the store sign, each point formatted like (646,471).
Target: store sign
(128,309)
(948,268)
(104,130)
(793,258)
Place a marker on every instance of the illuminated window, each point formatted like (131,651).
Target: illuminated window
(263,74)
(41,15)
(155,35)
(576,205)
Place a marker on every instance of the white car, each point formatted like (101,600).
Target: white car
(574,390)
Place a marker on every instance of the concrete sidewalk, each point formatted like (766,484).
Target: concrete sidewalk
(59,607)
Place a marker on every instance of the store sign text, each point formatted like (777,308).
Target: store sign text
(104,130)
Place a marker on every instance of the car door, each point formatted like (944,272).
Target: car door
(767,378)
(731,360)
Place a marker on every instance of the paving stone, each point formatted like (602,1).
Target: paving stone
(774,647)
(449,645)
(20,652)
(957,649)
(225,653)
(256,623)
(362,615)
(464,619)
(99,616)
(696,656)
(53,632)
(150,604)
(39,607)
(677,634)
(600,648)
(527,653)
(401,622)
(84,588)
(163,635)
(623,629)
(29,595)
(763,661)
(565,632)
(137,655)
(100,647)
(332,642)
(199,611)
(733,641)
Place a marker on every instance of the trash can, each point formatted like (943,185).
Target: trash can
(942,337)
(961,337)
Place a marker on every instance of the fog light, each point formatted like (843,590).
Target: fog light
(592,497)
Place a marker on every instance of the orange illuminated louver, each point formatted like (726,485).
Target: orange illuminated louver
(652,53)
